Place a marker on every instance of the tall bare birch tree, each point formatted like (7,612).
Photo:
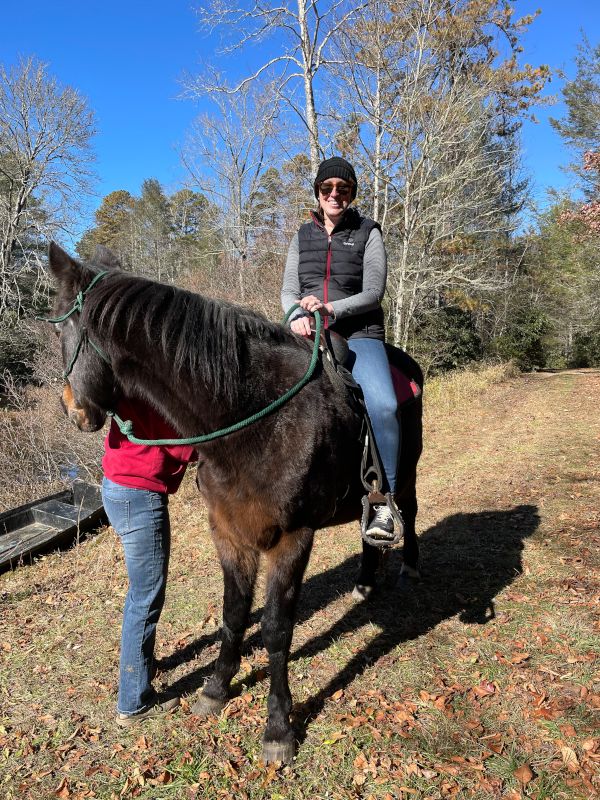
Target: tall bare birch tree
(302,31)
(45,157)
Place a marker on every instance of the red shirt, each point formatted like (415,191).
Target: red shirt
(159,468)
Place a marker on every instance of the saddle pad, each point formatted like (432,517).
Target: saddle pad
(407,390)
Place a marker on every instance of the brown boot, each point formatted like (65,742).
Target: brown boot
(127,720)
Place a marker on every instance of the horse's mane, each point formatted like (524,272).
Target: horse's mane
(193,335)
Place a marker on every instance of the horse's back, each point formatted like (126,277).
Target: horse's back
(409,390)
(406,364)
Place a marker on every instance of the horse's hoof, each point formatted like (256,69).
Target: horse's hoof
(408,577)
(206,706)
(278,751)
(360,593)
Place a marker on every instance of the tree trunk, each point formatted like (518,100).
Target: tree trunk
(309,96)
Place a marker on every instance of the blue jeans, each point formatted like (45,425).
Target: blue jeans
(371,371)
(141,519)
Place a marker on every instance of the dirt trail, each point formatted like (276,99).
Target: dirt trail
(512,441)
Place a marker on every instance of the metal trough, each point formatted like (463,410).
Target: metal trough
(49,522)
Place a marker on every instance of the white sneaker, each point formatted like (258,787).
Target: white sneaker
(382,524)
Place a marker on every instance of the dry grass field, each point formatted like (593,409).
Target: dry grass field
(480,682)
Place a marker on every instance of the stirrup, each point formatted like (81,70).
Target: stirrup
(375,498)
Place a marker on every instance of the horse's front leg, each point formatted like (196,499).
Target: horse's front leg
(366,579)
(239,574)
(286,563)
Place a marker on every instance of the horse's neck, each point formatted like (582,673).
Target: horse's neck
(143,370)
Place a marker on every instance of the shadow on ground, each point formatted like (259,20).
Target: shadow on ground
(466,560)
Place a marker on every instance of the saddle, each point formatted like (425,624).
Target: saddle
(335,354)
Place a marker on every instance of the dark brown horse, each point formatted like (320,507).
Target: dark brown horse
(205,365)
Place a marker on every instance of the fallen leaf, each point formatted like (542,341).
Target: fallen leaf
(429,774)
(335,737)
(63,789)
(484,688)
(524,774)
(589,745)
(270,774)
(142,743)
(567,729)
(570,759)
(164,777)
(519,658)
(594,700)
(360,762)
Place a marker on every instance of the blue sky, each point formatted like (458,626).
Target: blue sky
(128,59)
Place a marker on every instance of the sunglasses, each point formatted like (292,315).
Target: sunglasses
(327,188)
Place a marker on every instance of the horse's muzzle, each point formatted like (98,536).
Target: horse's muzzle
(86,420)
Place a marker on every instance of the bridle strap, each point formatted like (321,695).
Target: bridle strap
(77,307)
(78,302)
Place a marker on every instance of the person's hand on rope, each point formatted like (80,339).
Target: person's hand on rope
(312,304)
(302,325)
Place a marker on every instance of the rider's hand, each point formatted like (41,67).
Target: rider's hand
(301,326)
(313,304)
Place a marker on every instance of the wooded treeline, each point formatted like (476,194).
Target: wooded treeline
(425,97)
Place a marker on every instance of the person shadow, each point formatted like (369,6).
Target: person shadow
(467,559)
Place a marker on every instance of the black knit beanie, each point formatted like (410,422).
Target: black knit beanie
(336,167)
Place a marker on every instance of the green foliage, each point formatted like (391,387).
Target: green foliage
(114,224)
(580,129)
(165,237)
(524,339)
(586,349)
(447,339)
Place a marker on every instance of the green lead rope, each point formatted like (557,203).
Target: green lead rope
(126,426)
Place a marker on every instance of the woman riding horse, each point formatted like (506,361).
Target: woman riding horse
(337,266)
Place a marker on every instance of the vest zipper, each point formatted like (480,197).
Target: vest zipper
(327,277)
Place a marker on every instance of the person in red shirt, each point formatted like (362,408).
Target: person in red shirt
(137,483)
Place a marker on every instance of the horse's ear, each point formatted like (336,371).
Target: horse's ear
(104,257)
(64,268)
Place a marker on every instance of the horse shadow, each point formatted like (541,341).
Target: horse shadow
(467,558)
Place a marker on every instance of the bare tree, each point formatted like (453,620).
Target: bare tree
(226,155)
(45,132)
(305,31)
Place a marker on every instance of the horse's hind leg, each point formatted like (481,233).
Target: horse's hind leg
(286,564)
(239,574)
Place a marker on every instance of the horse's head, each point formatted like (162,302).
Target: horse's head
(89,389)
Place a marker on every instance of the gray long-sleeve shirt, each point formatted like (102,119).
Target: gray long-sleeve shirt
(373,287)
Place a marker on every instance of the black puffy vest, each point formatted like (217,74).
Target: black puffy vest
(348,242)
